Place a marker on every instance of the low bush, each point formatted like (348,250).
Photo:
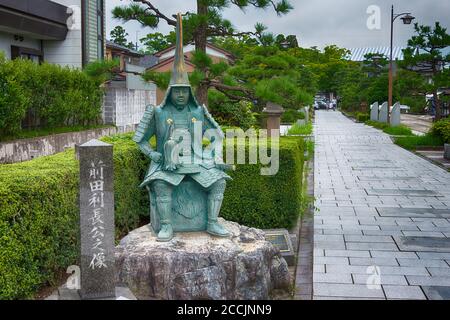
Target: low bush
(39,207)
(291,116)
(400,130)
(362,117)
(441,129)
(297,129)
(412,142)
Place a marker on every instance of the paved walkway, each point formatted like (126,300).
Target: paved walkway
(384,217)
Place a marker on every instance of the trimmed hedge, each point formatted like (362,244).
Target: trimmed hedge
(362,117)
(39,208)
(267,202)
(39,215)
(53,96)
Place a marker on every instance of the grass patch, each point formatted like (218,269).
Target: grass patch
(412,142)
(300,130)
(400,130)
(28,134)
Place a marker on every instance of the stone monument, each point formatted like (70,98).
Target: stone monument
(383,111)
(97,220)
(374,111)
(173,257)
(395,115)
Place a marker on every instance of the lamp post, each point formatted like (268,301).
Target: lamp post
(407,19)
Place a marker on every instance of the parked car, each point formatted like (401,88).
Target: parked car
(320,105)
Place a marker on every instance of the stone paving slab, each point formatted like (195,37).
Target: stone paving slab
(382,211)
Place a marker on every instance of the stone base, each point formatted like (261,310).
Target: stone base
(196,265)
(63,293)
(447,151)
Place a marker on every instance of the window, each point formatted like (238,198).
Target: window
(27,53)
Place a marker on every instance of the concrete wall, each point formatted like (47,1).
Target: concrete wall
(69,51)
(28,149)
(124,107)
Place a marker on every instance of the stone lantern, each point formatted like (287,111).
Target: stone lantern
(274,112)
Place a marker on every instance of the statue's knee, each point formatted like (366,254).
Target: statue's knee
(218,188)
(162,189)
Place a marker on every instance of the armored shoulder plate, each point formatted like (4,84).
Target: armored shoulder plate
(144,124)
(210,119)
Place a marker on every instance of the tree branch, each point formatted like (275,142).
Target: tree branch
(158,13)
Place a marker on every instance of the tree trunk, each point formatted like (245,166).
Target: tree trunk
(437,105)
(200,45)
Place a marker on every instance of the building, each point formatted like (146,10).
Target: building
(357,54)
(165,59)
(65,32)
(127,94)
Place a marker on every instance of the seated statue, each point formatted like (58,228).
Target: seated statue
(176,164)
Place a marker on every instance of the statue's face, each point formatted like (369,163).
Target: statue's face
(180,96)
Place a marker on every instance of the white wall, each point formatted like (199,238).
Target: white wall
(69,51)
(189,48)
(7,40)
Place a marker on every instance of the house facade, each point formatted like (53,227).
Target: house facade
(65,32)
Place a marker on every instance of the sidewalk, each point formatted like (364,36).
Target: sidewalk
(384,217)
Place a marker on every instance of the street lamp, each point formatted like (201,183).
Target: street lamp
(407,18)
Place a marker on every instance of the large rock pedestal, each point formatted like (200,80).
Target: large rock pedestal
(196,265)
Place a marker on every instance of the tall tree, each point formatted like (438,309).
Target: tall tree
(119,36)
(155,42)
(206,22)
(424,55)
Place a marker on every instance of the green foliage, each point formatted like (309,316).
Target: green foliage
(284,92)
(297,129)
(39,214)
(291,116)
(56,96)
(425,56)
(400,130)
(119,36)
(228,113)
(267,201)
(13,104)
(362,117)
(39,207)
(102,70)
(413,142)
(441,129)
(155,42)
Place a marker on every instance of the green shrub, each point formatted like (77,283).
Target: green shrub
(267,201)
(234,114)
(55,95)
(362,117)
(441,129)
(400,130)
(291,116)
(39,208)
(39,215)
(297,129)
(412,142)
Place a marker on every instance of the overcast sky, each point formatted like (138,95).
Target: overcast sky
(314,22)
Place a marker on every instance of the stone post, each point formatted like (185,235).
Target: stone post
(395,115)
(274,112)
(96,220)
(383,113)
(374,111)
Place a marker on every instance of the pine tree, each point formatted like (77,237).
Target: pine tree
(206,22)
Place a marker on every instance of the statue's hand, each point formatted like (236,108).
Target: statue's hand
(156,156)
